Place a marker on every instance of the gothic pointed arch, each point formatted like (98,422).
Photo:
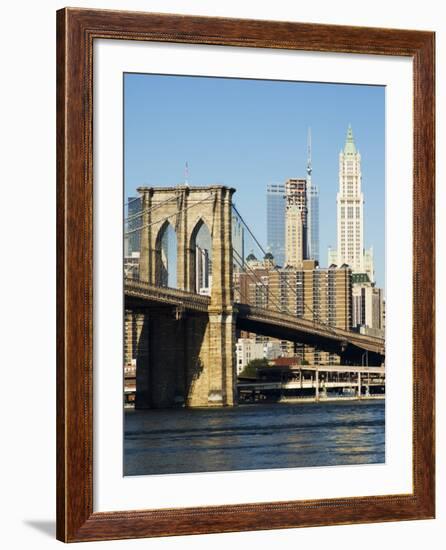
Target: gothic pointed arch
(200,257)
(166,256)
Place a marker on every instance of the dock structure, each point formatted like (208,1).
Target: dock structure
(314,383)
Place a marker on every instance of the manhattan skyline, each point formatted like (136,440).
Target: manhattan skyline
(250,133)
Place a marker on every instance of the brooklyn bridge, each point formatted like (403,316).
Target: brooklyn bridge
(184,340)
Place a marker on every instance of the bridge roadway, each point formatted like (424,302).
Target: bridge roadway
(256,320)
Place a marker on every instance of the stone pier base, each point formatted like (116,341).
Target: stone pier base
(184,362)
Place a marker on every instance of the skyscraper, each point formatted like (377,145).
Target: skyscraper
(203,270)
(350,213)
(275,221)
(294,238)
(134,222)
(368,306)
(312,252)
(296,219)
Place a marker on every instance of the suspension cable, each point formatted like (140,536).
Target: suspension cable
(170,216)
(276,269)
(131,200)
(280,309)
(155,207)
(256,278)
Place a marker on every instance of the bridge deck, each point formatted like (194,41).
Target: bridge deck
(258,320)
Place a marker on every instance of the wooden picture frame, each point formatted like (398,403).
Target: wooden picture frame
(76,31)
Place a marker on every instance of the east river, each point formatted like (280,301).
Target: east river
(251,437)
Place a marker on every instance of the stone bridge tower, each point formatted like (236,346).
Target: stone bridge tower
(187,359)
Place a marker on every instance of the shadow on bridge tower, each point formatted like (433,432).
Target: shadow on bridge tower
(183,358)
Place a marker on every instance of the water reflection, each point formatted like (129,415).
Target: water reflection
(253,437)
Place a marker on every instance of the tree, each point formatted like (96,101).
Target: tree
(250,370)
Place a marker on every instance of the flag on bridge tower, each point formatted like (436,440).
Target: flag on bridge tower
(186,174)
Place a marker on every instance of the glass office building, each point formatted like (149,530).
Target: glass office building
(134,222)
(312,221)
(275,221)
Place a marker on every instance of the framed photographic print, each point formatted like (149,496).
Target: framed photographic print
(245,275)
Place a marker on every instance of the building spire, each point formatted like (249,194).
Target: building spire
(350,147)
(309,167)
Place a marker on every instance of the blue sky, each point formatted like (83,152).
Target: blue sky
(248,133)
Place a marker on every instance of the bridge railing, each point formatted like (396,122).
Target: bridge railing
(287,319)
(199,302)
(138,288)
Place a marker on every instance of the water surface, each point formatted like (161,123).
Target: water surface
(251,437)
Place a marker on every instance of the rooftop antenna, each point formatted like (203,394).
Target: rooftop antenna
(186,174)
(309,168)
